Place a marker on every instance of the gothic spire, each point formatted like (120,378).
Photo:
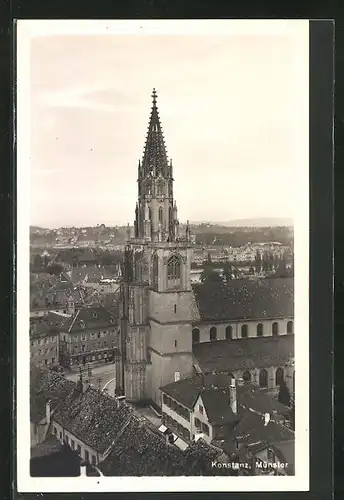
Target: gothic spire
(154,160)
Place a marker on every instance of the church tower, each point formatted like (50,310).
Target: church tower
(156,291)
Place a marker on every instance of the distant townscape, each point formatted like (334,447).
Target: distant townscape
(160,348)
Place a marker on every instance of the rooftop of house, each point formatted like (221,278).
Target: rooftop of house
(93,417)
(245,299)
(92,274)
(241,354)
(49,324)
(55,296)
(141,451)
(89,317)
(254,436)
(46,385)
(214,391)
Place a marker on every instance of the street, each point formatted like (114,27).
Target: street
(103,375)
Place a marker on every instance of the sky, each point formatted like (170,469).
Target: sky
(231,111)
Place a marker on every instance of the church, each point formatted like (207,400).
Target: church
(159,309)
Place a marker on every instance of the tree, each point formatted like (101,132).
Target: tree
(210,276)
(227,272)
(258,262)
(292,412)
(37,261)
(284,394)
(55,269)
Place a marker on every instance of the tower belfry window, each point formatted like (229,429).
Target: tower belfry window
(173,268)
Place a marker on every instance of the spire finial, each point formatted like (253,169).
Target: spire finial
(154,96)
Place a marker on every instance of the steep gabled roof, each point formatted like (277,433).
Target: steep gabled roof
(93,417)
(89,317)
(245,299)
(141,451)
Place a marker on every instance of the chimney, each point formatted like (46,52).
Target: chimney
(266,419)
(83,468)
(233,396)
(48,412)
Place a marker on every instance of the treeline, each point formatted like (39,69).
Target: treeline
(75,257)
(239,237)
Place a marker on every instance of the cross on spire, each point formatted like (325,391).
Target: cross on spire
(154,96)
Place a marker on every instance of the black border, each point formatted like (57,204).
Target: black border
(321,239)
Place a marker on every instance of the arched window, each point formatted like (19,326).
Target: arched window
(290,327)
(275,329)
(229,332)
(160,214)
(149,188)
(173,268)
(263,378)
(195,335)
(260,330)
(244,331)
(247,376)
(149,213)
(279,376)
(160,188)
(155,269)
(213,333)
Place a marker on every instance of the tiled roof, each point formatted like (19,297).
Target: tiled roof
(214,390)
(241,354)
(254,436)
(245,299)
(141,451)
(54,320)
(92,273)
(252,431)
(89,317)
(39,328)
(46,385)
(54,295)
(93,417)
(49,324)
(257,399)
(217,407)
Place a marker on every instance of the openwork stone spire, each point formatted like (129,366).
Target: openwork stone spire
(154,162)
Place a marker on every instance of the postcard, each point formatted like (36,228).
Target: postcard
(162,255)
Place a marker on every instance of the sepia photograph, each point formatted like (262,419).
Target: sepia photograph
(162,255)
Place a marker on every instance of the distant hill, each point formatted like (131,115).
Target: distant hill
(259,222)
